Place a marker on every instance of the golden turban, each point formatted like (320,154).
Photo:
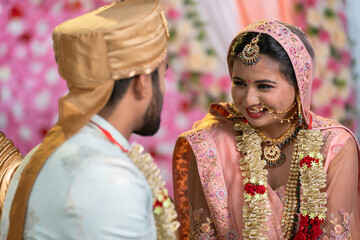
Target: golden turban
(116,41)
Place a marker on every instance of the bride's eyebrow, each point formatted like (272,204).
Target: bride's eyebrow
(238,78)
(265,81)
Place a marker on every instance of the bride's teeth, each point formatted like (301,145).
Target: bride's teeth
(256,111)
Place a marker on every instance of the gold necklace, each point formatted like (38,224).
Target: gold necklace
(272,151)
(292,201)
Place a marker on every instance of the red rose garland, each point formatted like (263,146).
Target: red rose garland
(253,189)
(311,219)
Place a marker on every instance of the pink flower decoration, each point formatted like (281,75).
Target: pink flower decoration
(183,51)
(324,111)
(173,14)
(343,18)
(300,19)
(316,84)
(345,58)
(333,65)
(310,3)
(324,36)
(225,84)
(207,80)
(338,101)
(185,76)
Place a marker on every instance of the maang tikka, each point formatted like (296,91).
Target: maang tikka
(250,54)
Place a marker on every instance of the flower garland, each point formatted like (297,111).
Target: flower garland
(255,210)
(312,179)
(164,210)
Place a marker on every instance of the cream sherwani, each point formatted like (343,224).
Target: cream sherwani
(87,189)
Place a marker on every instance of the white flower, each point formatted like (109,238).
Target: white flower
(210,64)
(177,4)
(194,63)
(184,29)
(334,4)
(322,51)
(337,112)
(314,17)
(338,38)
(321,96)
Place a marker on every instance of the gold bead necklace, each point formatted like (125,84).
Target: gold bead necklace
(292,197)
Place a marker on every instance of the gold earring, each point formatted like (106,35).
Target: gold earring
(299,109)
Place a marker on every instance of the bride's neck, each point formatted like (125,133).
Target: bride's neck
(275,131)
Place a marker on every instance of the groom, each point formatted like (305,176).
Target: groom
(80,183)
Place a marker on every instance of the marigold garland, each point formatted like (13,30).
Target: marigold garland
(164,210)
(312,180)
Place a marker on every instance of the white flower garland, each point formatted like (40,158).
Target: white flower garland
(255,209)
(312,179)
(164,210)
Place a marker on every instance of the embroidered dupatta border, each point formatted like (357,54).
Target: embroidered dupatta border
(213,182)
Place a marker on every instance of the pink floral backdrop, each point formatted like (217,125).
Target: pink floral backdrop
(30,85)
(333,88)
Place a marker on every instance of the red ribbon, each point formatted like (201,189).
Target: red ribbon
(110,137)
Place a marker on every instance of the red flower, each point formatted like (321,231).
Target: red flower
(312,222)
(25,37)
(16,12)
(260,189)
(74,5)
(315,231)
(157,204)
(300,236)
(250,189)
(319,221)
(307,160)
(303,220)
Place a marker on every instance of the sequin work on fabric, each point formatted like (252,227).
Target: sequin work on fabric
(213,182)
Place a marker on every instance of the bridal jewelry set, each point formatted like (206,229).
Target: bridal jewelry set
(272,150)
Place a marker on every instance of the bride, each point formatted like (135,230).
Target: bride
(265,166)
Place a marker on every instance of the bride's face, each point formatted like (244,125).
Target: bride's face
(262,83)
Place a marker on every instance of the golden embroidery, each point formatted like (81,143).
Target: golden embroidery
(198,228)
(340,227)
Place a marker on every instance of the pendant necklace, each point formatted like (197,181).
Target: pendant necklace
(272,150)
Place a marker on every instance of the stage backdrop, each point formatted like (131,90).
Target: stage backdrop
(200,34)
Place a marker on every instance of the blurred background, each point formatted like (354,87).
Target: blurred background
(200,33)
